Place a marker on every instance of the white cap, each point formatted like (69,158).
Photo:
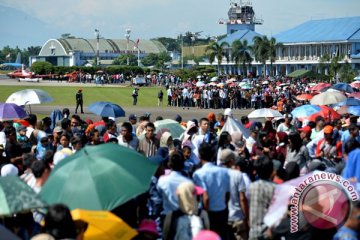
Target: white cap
(228,112)
(9,170)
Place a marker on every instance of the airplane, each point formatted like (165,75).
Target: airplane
(24,75)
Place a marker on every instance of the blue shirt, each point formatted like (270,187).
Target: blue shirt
(216,182)
(166,187)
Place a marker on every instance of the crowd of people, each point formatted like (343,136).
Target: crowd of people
(209,178)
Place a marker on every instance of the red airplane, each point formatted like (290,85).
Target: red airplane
(22,74)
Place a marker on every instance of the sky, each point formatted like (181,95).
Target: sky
(25,23)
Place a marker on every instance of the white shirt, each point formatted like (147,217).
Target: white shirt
(185,93)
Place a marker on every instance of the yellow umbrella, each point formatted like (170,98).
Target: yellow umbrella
(103,225)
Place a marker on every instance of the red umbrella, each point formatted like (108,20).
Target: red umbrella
(355,95)
(327,113)
(320,86)
(233,84)
(355,84)
(304,97)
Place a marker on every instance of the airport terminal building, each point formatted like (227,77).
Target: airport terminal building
(73,51)
(302,46)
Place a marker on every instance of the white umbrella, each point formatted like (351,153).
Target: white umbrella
(264,113)
(231,80)
(327,98)
(29,96)
(214,79)
(200,84)
(265,82)
(231,125)
(213,84)
(357,78)
(199,77)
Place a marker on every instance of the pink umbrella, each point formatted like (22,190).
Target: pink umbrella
(320,87)
(355,95)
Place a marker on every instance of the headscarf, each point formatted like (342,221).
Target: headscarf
(211,117)
(187,198)
(164,139)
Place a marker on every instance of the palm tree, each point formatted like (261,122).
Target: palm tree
(335,65)
(241,53)
(260,50)
(324,63)
(218,51)
(273,45)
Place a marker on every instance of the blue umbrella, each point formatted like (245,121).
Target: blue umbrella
(305,110)
(354,110)
(106,109)
(343,87)
(11,111)
(349,102)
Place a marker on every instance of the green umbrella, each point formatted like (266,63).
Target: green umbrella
(99,178)
(16,196)
(171,125)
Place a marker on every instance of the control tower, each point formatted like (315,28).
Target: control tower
(241,16)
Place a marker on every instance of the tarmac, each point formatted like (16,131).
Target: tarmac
(165,112)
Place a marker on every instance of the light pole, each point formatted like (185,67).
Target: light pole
(182,53)
(127,36)
(97,33)
(193,38)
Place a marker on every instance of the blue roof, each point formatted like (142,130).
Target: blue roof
(240,35)
(326,30)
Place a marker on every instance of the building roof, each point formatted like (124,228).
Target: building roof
(105,45)
(325,30)
(240,35)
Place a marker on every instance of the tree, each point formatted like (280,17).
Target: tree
(122,60)
(346,73)
(150,59)
(335,66)
(273,45)
(214,50)
(261,50)
(324,63)
(42,68)
(241,53)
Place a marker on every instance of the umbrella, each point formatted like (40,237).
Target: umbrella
(327,113)
(11,111)
(304,97)
(233,84)
(354,110)
(103,225)
(213,84)
(199,77)
(7,234)
(245,85)
(99,178)
(107,109)
(320,86)
(200,84)
(231,125)
(357,78)
(265,82)
(355,84)
(264,113)
(171,125)
(214,79)
(231,80)
(29,96)
(305,110)
(349,102)
(343,87)
(16,196)
(355,95)
(220,84)
(327,98)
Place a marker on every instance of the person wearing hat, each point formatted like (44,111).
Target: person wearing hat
(79,101)
(305,134)
(328,147)
(286,126)
(238,203)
